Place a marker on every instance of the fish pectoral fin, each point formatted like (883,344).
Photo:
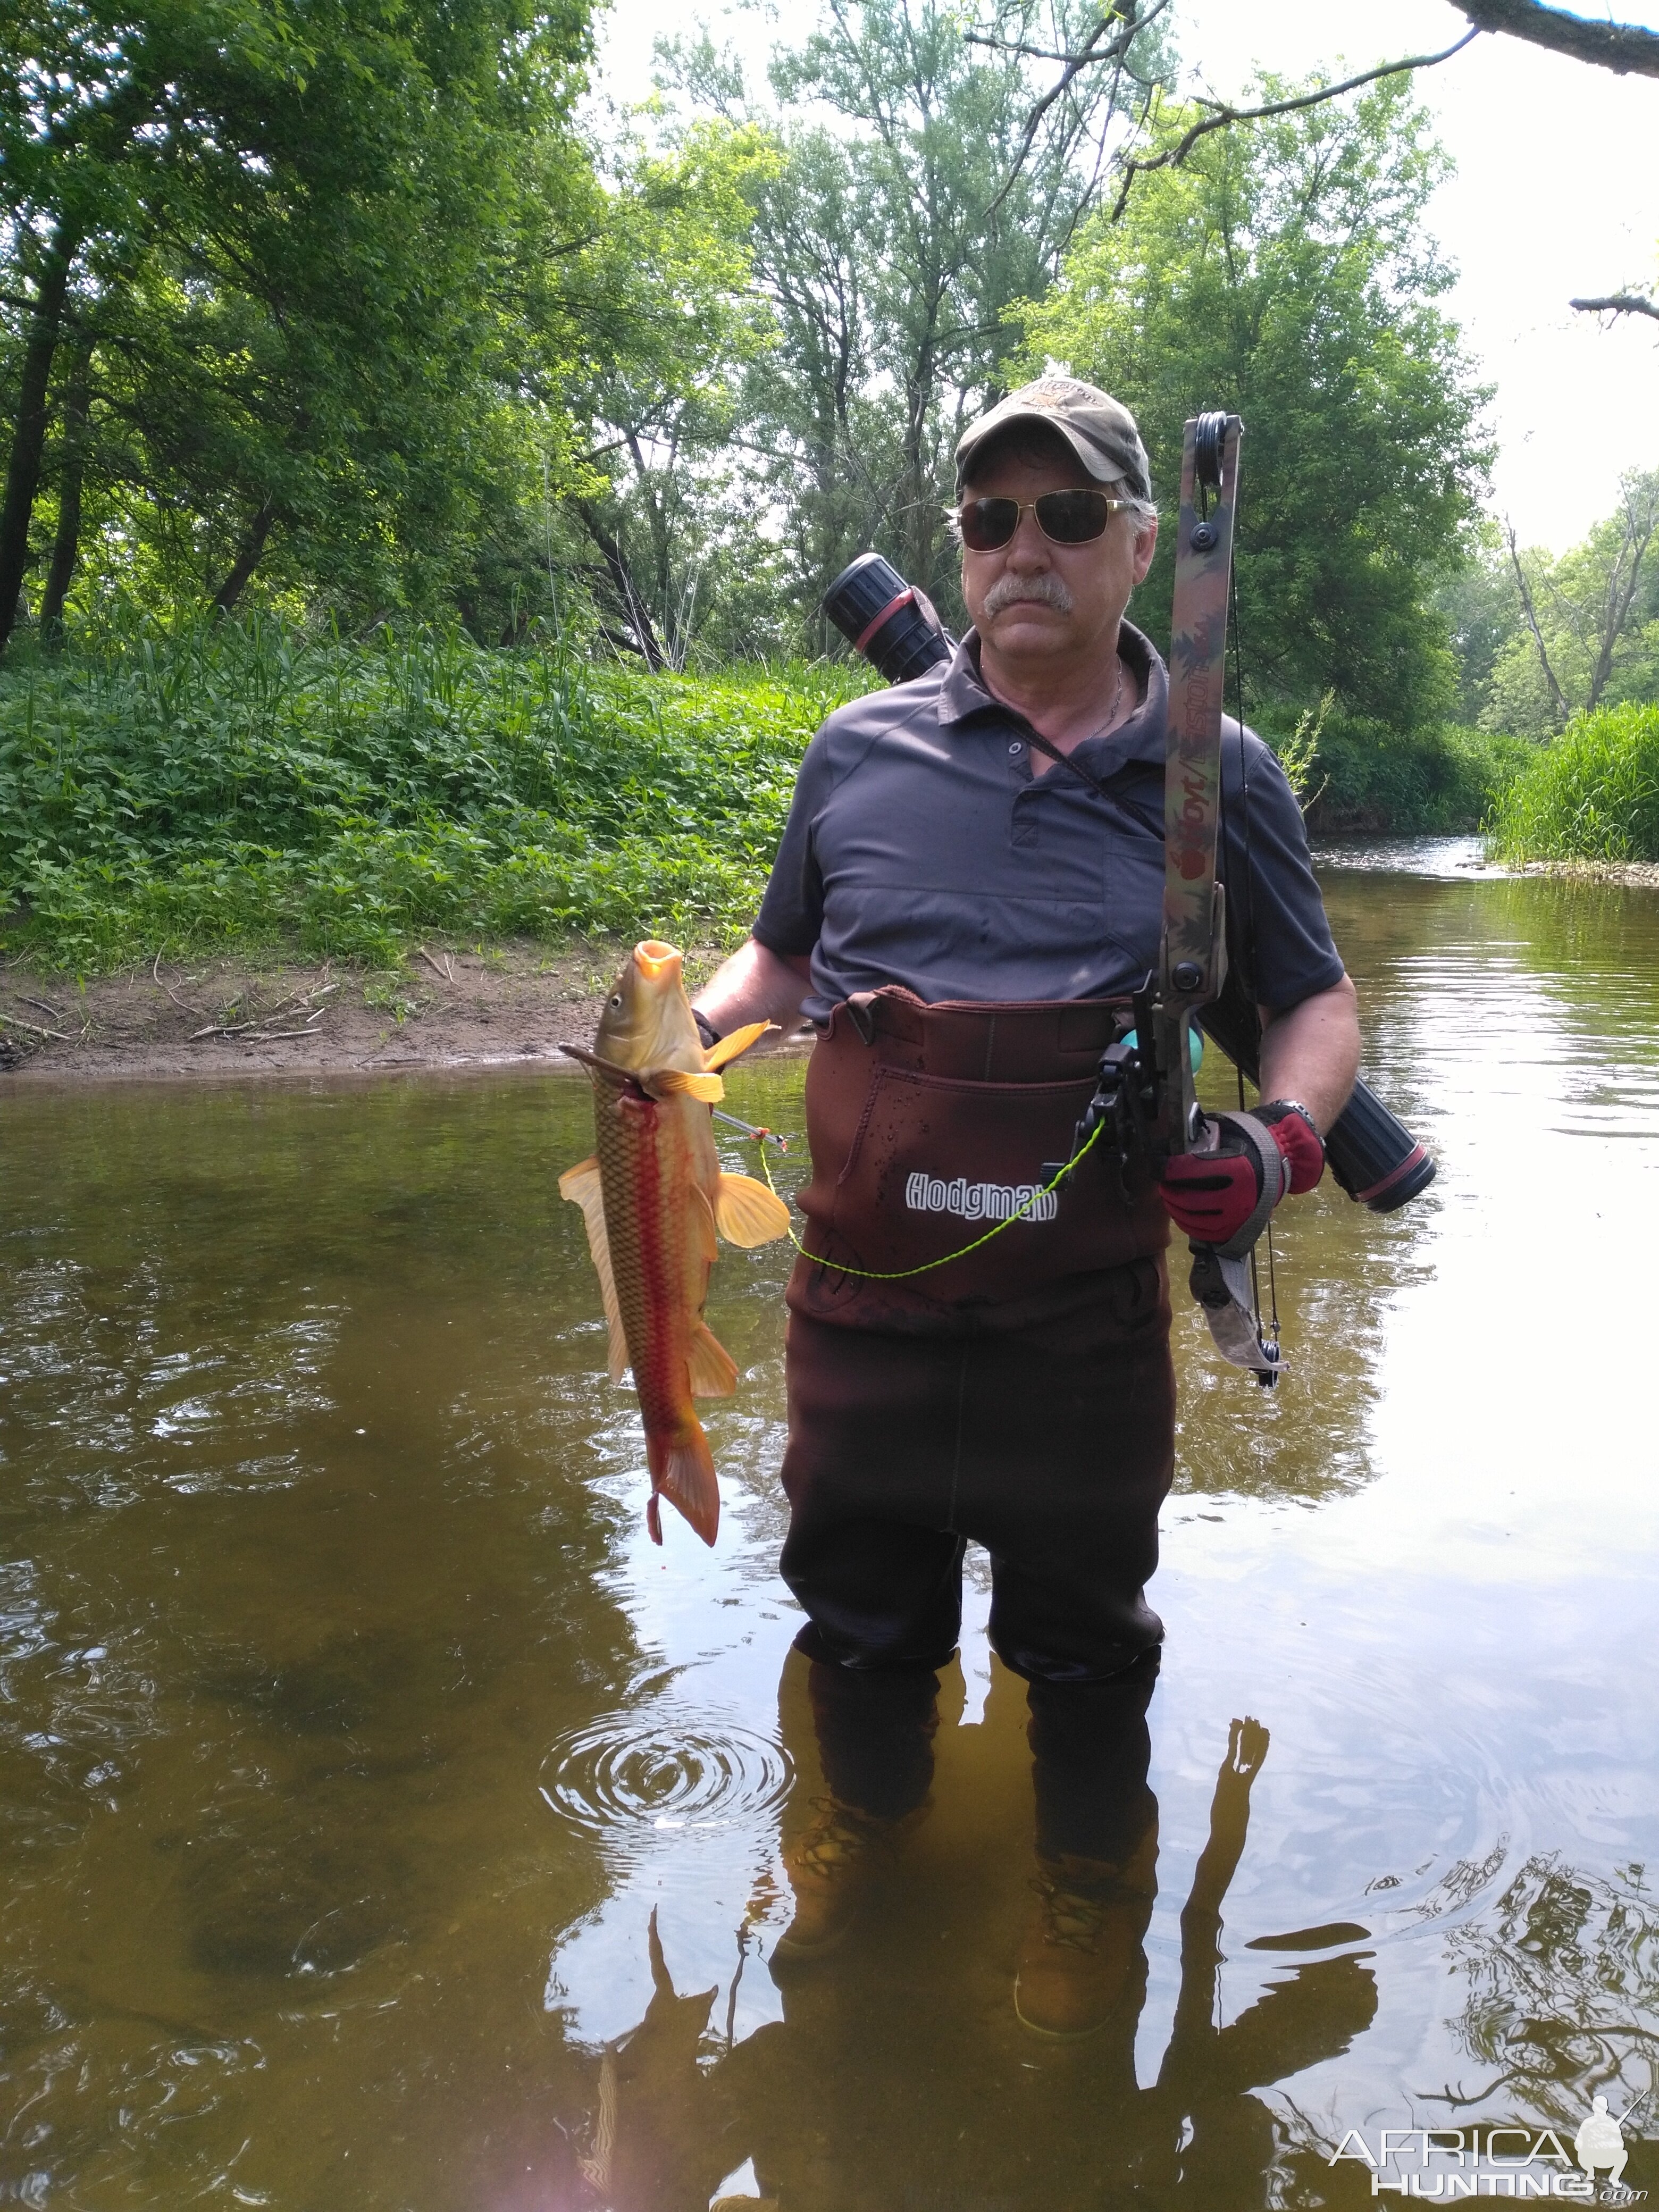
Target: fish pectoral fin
(713,1369)
(576,1182)
(747,1213)
(736,1041)
(580,1185)
(675,1083)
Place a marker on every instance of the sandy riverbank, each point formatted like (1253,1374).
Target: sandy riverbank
(1645,872)
(445,1009)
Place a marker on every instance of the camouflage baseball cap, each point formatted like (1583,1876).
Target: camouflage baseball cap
(1099,429)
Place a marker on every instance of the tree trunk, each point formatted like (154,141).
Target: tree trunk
(29,438)
(1531,614)
(246,561)
(622,579)
(1621,592)
(66,545)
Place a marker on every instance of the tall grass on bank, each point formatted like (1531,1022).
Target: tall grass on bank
(1591,794)
(238,784)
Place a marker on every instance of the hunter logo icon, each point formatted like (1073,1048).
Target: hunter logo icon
(1600,2141)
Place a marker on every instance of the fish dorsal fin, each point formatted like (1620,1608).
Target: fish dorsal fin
(728,1047)
(675,1083)
(702,1214)
(713,1370)
(580,1185)
(747,1213)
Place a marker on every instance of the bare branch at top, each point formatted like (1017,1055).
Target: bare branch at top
(1221,116)
(1618,303)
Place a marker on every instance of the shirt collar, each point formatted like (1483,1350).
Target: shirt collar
(964,697)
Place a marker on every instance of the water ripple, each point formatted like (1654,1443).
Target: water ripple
(665,1770)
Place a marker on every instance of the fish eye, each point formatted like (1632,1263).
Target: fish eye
(616,999)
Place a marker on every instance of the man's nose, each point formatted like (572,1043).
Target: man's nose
(1027,549)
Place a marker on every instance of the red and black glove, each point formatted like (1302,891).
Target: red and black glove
(1223,1197)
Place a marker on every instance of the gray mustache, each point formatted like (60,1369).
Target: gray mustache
(1046,590)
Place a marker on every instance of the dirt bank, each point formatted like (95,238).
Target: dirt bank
(445,1008)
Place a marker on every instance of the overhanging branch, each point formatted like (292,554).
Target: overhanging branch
(1618,303)
(1621,47)
(1221,117)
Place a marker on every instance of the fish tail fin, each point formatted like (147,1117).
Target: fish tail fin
(683,1471)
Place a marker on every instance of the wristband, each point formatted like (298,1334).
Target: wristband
(1297,1135)
(706,1030)
(1272,1109)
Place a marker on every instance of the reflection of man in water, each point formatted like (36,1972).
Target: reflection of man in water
(1601,2142)
(895,2078)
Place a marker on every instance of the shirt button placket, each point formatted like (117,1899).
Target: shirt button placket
(1022,821)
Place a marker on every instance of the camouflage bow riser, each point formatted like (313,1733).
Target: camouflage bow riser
(1192,962)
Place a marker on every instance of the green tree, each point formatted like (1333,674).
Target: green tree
(931,176)
(278,245)
(659,395)
(1588,632)
(1283,272)
(1481,609)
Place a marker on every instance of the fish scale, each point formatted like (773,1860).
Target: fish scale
(647,1153)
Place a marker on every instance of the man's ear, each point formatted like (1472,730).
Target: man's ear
(1145,546)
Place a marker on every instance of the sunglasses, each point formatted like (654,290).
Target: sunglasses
(1064,518)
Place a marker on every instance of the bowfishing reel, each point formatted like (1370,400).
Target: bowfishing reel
(1127,1103)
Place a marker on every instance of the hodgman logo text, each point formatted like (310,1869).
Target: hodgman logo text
(979,1201)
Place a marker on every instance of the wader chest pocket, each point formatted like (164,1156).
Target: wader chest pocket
(934,1164)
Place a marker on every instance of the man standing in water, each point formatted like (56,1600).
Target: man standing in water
(964,917)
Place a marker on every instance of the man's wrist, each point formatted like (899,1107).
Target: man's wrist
(1274,1109)
(1298,1136)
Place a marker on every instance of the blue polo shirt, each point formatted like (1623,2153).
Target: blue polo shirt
(921,850)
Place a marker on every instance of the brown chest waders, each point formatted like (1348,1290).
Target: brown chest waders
(1021,1395)
(928,1125)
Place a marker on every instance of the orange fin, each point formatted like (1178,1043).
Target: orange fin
(747,1213)
(580,1185)
(675,1083)
(683,1471)
(728,1047)
(703,1214)
(713,1370)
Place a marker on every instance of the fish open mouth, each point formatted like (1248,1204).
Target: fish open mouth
(654,956)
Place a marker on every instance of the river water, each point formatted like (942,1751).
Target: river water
(354,1740)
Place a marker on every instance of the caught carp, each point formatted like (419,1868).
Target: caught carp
(653,1196)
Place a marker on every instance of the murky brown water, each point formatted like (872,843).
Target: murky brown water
(351,1733)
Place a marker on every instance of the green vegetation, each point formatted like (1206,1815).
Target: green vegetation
(236,784)
(374,323)
(1365,777)
(1593,794)
(1284,272)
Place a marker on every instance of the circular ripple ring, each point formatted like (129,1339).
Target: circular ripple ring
(664,1770)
